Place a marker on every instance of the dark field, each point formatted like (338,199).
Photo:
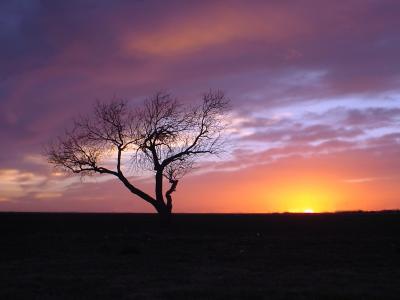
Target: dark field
(128,256)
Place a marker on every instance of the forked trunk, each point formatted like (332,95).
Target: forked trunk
(164,210)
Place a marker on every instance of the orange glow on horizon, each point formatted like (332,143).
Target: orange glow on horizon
(308,195)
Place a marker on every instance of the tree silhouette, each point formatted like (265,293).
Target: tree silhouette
(163,136)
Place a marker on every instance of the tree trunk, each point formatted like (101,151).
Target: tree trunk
(164,214)
(166,218)
(164,211)
(159,186)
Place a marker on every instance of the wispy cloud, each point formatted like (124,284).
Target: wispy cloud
(365,180)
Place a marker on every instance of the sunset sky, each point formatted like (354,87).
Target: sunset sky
(314,88)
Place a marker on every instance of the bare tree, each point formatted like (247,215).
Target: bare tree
(163,136)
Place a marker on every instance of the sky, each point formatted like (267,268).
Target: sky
(314,88)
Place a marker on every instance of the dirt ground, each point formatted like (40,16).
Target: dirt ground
(130,256)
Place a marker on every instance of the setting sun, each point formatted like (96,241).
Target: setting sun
(308,195)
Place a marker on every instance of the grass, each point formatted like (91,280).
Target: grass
(129,256)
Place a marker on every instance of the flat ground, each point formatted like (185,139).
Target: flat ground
(128,256)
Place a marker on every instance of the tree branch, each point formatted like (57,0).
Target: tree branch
(172,189)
